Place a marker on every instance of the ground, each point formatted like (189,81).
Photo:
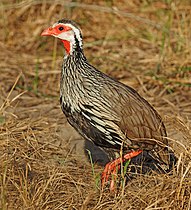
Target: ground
(145,44)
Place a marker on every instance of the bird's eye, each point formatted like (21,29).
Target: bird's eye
(61,28)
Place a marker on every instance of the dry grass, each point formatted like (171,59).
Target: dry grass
(146,45)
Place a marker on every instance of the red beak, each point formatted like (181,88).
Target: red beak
(48,32)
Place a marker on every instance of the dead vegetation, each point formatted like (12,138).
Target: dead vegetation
(145,44)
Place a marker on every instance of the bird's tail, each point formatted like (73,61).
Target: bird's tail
(150,161)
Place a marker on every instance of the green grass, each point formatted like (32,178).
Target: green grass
(95,176)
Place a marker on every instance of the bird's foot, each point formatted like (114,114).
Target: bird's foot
(111,168)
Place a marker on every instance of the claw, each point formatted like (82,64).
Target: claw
(111,168)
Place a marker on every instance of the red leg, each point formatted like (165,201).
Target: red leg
(111,167)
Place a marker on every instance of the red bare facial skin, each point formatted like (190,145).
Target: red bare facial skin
(58,29)
(66,46)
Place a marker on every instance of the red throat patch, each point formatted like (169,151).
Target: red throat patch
(66,46)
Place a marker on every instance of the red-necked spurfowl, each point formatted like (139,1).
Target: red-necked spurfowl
(110,114)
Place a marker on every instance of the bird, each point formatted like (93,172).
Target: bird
(107,112)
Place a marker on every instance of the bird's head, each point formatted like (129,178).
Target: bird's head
(68,32)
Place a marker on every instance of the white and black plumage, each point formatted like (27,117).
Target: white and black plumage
(103,110)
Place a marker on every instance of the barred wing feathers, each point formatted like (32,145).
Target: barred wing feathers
(132,114)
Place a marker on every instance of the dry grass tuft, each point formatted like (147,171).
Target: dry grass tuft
(146,44)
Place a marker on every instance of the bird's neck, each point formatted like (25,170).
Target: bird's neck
(72,64)
(67,46)
(73,46)
(71,79)
(73,60)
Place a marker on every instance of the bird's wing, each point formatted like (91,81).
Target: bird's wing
(135,116)
(118,115)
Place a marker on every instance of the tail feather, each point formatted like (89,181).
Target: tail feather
(147,162)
